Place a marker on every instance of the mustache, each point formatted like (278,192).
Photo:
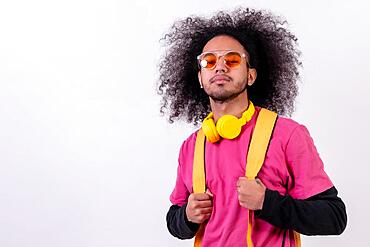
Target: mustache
(218,77)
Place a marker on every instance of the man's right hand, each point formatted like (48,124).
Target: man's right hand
(199,207)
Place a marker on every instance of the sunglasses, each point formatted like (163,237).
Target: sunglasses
(209,59)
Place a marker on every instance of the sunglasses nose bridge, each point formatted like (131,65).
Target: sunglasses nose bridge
(220,63)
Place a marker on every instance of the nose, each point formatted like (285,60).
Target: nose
(220,65)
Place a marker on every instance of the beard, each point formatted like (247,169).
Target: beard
(222,95)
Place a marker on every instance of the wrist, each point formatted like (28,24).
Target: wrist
(191,225)
(268,204)
(262,200)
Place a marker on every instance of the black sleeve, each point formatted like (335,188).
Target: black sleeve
(322,214)
(179,225)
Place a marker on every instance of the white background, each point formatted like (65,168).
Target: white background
(86,159)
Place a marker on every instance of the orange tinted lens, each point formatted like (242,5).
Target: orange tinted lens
(210,60)
(232,59)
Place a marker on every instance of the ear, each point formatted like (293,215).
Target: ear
(252,76)
(200,79)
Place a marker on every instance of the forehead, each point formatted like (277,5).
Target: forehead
(223,42)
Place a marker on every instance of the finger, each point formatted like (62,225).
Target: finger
(242,198)
(204,217)
(241,181)
(244,193)
(208,216)
(239,190)
(244,205)
(203,204)
(199,211)
(191,196)
(202,197)
(259,182)
(205,210)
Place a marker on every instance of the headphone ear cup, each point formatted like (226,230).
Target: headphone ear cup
(229,126)
(209,129)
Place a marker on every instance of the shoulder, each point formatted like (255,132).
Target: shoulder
(286,125)
(187,148)
(283,125)
(293,136)
(189,142)
(288,130)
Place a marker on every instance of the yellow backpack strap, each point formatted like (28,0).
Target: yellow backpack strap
(199,178)
(297,239)
(260,140)
(256,154)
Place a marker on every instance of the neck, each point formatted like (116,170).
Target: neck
(234,107)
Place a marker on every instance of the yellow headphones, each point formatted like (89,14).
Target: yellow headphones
(227,126)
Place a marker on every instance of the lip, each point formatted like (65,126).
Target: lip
(220,78)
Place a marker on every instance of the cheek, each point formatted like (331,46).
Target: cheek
(243,76)
(204,76)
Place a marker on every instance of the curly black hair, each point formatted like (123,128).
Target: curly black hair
(271,47)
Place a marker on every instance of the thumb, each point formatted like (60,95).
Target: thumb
(208,192)
(259,182)
(243,178)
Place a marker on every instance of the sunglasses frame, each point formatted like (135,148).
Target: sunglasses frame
(218,54)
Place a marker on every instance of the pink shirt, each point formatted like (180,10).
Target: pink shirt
(292,166)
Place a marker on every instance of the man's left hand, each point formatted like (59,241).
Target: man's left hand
(251,193)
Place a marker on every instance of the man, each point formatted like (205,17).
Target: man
(226,64)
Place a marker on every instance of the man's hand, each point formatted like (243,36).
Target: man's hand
(251,193)
(199,207)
